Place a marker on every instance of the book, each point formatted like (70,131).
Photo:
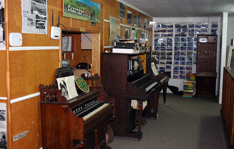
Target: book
(153,67)
(67,87)
(128,40)
(122,50)
(188,91)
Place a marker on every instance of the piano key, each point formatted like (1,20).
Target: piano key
(82,112)
(163,79)
(86,117)
(151,86)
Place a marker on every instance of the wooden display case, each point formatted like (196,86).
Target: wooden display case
(206,65)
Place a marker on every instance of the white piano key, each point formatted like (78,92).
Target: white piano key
(95,111)
(163,79)
(151,86)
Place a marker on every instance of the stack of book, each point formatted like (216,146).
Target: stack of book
(189,85)
(128,46)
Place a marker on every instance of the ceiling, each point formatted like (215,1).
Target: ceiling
(183,8)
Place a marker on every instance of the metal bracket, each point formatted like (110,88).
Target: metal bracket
(20,135)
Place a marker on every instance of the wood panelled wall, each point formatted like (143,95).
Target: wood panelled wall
(22,71)
(111,8)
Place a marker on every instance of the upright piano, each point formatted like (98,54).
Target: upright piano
(76,123)
(126,85)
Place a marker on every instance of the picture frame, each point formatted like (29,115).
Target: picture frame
(134,20)
(129,17)
(122,10)
(139,20)
(82,9)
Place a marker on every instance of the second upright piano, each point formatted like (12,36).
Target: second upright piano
(126,85)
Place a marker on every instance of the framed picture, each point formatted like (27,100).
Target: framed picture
(145,22)
(126,33)
(139,20)
(134,20)
(129,17)
(122,10)
(82,9)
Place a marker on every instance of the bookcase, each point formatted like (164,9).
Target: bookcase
(206,65)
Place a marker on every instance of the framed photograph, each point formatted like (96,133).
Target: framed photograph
(82,9)
(134,33)
(145,22)
(139,20)
(122,10)
(134,20)
(126,33)
(129,17)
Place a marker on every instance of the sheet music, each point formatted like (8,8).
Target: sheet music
(155,71)
(67,87)
(71,86)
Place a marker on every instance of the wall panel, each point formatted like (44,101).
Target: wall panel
(106,33)
(29,69)
(26,116)
(111,8)
(3,91)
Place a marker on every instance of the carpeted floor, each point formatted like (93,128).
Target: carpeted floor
(184,123)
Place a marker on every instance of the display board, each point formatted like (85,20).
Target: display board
(175,45)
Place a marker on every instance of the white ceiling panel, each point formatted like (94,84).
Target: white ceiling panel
(183,8)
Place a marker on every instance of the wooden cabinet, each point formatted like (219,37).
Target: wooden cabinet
(227,109)
(206,65)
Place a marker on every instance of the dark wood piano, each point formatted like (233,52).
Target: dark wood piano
(163,79)
(124,85)
(76,123)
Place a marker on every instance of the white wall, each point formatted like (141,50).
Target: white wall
(230,30)
(179,82)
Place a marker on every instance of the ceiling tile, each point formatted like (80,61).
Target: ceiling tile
(181,8)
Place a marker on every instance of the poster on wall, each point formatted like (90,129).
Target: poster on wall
(34,16)
(2,30)
(82,9)
(114,30)
(3,127)
(122,10)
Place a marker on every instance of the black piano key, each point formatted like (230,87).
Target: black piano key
(89,110)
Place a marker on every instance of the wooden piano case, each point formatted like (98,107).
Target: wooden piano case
(62,129)
(119,84)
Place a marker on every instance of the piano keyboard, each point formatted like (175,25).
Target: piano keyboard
(86,117)
(163,79)
(151,86)
(89,109)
